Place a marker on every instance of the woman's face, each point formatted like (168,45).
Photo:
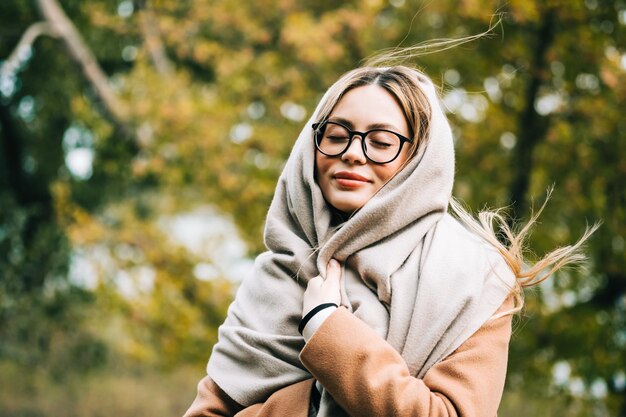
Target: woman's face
(348,181)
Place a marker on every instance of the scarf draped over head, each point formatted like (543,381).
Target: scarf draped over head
(413,273)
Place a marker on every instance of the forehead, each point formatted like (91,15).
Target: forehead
(370,105)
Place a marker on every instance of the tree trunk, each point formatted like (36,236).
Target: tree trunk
(532,127)
(12,156)
(32,195)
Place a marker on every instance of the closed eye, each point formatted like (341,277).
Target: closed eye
(380,144)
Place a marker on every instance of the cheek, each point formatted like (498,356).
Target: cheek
(321,166)
(385,172)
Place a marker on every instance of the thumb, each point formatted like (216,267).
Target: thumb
(333,270)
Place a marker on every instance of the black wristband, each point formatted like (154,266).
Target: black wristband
(313,312)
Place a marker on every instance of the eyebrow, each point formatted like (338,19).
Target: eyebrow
(371,126)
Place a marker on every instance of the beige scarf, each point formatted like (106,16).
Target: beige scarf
(420,279)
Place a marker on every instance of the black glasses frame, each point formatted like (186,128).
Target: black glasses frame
(320,128)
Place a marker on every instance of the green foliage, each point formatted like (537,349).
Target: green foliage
(117,392)
(216,92)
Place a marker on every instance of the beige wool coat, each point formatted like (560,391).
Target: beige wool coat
(367,376)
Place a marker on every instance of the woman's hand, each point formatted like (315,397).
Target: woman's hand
(320,290)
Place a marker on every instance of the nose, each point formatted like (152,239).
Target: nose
(354,154)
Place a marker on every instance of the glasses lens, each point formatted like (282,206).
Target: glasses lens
(382,146)
(334,140)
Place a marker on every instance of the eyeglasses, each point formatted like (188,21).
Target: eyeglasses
(379,145)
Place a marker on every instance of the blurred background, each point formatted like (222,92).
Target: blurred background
(140,143)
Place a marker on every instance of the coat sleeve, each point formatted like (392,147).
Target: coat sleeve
(211,401)
(367,376)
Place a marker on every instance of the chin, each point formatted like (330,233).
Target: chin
(347,207)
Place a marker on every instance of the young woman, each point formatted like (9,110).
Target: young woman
(372,300)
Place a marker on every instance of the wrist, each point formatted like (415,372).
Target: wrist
(316,322)
(308,316)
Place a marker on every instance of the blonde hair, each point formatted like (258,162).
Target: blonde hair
(404,84)
(493,223)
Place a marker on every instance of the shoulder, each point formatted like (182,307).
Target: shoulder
(450,226)
(461,244)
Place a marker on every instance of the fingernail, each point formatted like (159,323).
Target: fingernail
(333,263)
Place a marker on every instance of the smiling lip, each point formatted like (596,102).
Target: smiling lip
(350,179)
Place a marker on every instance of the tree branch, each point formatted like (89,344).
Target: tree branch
(152,38)
(15,60)
(113,109)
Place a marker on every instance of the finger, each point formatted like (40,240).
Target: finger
(333,271)
(342,277)
(315,282)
